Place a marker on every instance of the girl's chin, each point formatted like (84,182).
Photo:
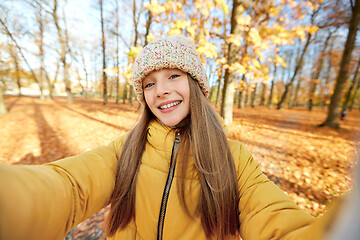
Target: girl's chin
(174,123)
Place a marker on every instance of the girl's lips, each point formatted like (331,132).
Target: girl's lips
(170,108)
(168,104)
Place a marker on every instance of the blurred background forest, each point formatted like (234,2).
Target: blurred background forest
(277,69)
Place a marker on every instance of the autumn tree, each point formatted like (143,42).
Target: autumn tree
(19,49)
(233,57)
(334,110)
(64,48)
(116,33)
(39,40)
(309,34)
(324,93)
(354,97)
(3,109)
(353,83)
(103,53)
(333,15)
(319,67)
(16,62)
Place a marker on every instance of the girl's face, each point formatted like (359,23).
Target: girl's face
(167,93)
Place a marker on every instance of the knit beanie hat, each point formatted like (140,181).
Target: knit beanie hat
(175,51)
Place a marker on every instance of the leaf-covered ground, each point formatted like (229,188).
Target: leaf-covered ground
(311,164)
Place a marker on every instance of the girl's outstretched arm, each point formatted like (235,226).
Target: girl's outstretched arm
(266,212)
(47,201)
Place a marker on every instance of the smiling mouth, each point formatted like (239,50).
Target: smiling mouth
(169,105)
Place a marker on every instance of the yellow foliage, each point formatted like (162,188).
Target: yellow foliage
(265,70)
(243,84)
(245,21)
(198,4)
(312,30)
(150,37)
(235,40)
(207,49)
(278,60)
(224,7)
(191,30)
(255,37)
(113,70)
(174,31)
(240,69)
(220,61)
(181,24)
(133,52)
(205,12)
(155,8)
(256,63)
(299,32)
(274,11)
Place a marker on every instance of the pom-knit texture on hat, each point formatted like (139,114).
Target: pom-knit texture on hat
(175,51)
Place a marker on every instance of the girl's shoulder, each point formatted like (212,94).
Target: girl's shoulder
(241,155)
(118,143)
(239,150)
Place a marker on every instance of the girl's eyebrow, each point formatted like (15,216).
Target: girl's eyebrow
(147,78)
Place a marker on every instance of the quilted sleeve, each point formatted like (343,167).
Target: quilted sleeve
(47,201)
(266,212)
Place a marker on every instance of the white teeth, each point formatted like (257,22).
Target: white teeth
(169,105)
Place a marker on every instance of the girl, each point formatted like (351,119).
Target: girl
(174,176)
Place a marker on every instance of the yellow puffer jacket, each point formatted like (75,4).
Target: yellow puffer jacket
(46,202)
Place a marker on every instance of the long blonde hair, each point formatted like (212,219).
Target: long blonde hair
(204,135)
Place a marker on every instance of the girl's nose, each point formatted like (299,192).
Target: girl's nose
(162,89)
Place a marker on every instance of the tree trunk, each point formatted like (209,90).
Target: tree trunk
(253,96)
(136,17)
(131,92)
(218,91)
(18,79)
(297,68)
(269,104)
(125,91)
(148,25)
(103,53)
(117,50)
(63,46)
(241,103)
(353,83)
(86,75)
(355,95)
(291,98)
(325,96)
(20,51)
(297,90)
(333,113)
(299,63)
(263,90)
(51,84)
(317,72)
(3,109)
(41,51)
(233,57)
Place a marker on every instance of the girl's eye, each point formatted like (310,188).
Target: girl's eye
(149,85)
(174,76)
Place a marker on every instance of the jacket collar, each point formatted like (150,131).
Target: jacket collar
(160,136)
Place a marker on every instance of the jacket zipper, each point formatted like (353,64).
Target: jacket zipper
(167,188)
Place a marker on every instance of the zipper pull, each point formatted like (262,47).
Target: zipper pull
(177,137)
